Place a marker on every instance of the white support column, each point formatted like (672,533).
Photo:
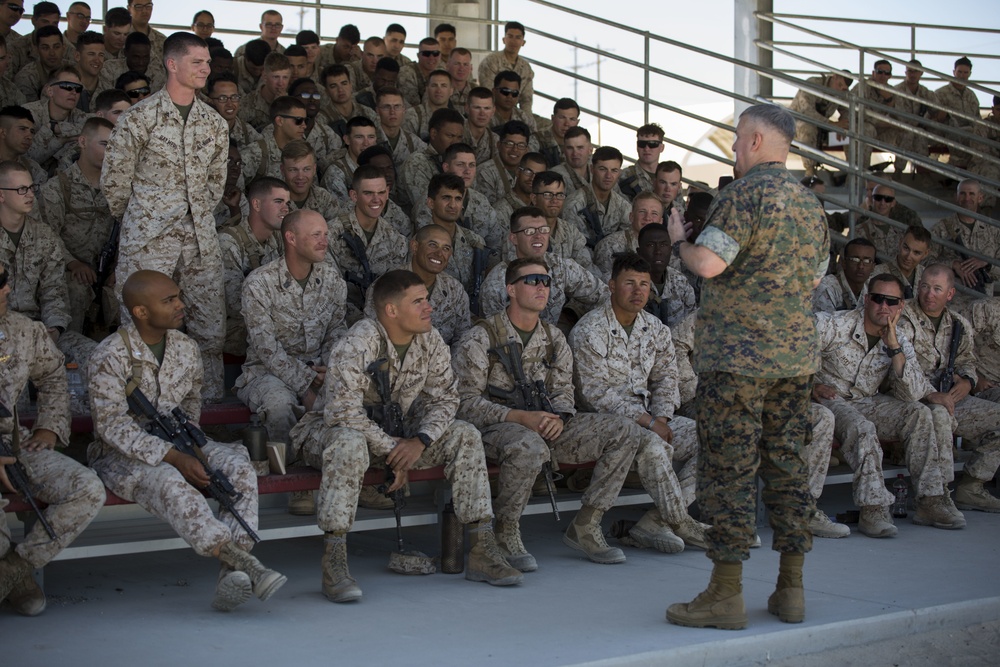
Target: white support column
(472,36)
(747,30)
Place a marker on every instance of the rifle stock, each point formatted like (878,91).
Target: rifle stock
(364,279)
(18,476)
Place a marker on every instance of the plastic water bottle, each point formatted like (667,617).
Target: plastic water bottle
(900,490)
(74,382)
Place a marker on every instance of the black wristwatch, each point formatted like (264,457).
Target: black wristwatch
(893,351)
(424,438)
(676,246)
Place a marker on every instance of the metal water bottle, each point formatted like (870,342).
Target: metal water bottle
(452,541)
(255,439)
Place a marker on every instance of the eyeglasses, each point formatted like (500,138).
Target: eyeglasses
(430,54)
(205,26)
(143,7)
(547,196)
(298,120)
(525,170)
(509,92)
(883,298)
(867,261)
(534,279)
(531,231)
(136,93)
(23,190)
(274,25)
(390,107)
(69,86)
(648,143)
(520,145)
(310,96)
(17,9)
(235,97)
(884,72)
(888,199)
(85,17)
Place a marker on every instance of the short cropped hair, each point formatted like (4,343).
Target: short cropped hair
(261,187)
(297,149)
(506,75)
(524,212)
(514,127)
(919,234)
(456,149)
(284,104)
(510,275)
(629,261)
(886,278)
(391,286)
(178,44)
(773,116)
(607,153)
(577,131)
(669,166)
(651,128)
(443,117)
(547,178)
(445,182)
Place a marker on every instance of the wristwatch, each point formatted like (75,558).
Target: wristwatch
(893,351)
(677,248)
(424,438)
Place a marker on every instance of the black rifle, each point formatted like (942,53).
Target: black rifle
(189,439)
(630,187)
(552,155)
(982,274)
(658,307)
(364,279)
(18,476)
(589,216)
(526,395)
(948,379)
(106,260)
(480,256)
(389,415)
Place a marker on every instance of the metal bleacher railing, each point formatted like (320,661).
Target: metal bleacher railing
(643,78)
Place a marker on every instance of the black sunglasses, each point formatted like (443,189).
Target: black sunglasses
(510,92)
(298,120)
(648,143)
(69,86)
(888,199)
(533,279)
(136,93)
(430,54)
(882,298)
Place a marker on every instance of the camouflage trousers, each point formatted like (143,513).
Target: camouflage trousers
(926,438)
(884,134)
(808,134)
(911,142)
(342,454)
(271,398)
(748,426)
(77,348)
(80,298)
(175,253)
(162,491)
(684,456)
(992,395)
(613,442)
(979,427)
(817,452)
(74,495)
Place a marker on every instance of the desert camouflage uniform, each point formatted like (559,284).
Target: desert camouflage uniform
(494,180)
(112,69)
(886,237)
(325,142)
(478,216)
(982,238)
(339,438)
(496,122)
(417,173)
(631,375)
(247,82)
(30,79)
(876,128)
(164,176)
(10,94)
(359,78)
(402,147)
(506,206)
(226,218)
(241,254)
(612,215)
(753,385)
(290,328)
(549,146)
(834,294)
(451,316)
(130,461)
(565,240)
(909,286)
(816,108)
(46,144)
(337,121)
(320,200)
(73,492)
(485,146)
(963,102)
(985,318)
(633,180)
(978,420)
(78,213)
(255,110)
(910,141)
(417,118)
(464,243)
(571,179)
(980,166)
(262,157)
(399,220)
(497,62)
(411,83)
(864,415)
(243,133)
(386,249)
(339,177)
(460,96)
(241,49)
(569,281)
(38,286)
(672,301)
(522,452)
(624,240)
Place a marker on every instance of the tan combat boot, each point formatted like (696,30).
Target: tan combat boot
(652,532)
(692,532)
(970,495)
(788,601)
(718,606)
(233,589)
(508,538)
(585,535)
(13,572)
(936,511)
(301,503)
(265,582)
(338,584)
(371,498)
(874,521)
(486,562)
(820,525)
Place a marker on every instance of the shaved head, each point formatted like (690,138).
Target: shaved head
(137,289)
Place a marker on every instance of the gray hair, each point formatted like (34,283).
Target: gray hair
(773,116)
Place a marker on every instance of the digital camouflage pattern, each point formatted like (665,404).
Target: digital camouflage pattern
(493,180)
(417,172)
(47,143)
(411,83)
(985,318)
(613,215)
(497,62)
(451,315)
(963,102)
(485,145)
(339,176)
(834,294)
(254,110)
(569,281)
(479,216)
(243,134)
(886,237)
(325,142)
(385,249)
(674,300)
(910,141)
(320,200)
(571,179)
(816,108)
(772,234)
(635,178)
(981,237)
(909,286)
(262,157)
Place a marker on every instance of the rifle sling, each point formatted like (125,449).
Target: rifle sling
(133,382)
